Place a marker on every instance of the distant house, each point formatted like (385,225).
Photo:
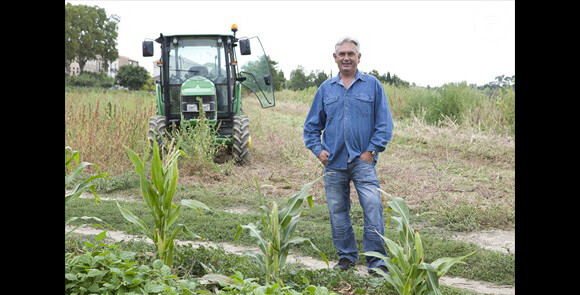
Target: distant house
(97,66)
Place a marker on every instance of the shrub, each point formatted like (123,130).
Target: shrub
(89,79)
(452,101)
(132,77)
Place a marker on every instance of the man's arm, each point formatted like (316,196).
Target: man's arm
(314,124)
(383,121)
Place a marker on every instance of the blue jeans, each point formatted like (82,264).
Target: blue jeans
(366,183)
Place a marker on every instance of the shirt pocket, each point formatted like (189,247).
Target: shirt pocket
(330,105)
(365,104)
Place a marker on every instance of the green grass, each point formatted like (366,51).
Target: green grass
(484,265)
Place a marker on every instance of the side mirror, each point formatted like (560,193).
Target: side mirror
(147,48)
(245,47)
(268,80)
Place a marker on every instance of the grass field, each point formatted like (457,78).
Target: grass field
(458,175)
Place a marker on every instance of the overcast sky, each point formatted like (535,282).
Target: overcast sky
(426,42)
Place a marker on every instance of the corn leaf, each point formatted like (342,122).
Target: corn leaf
(157,170)
(432,279)
(173,216)
(74,155)
(78,169)
(135,220)
(194,204)
(442,265)
(255,232)
(396,275)
(400,207)
(259,258)
(292,207)
(275,228)
(171,186)
(137,163)
(289,229)
(299,240)
(418,248)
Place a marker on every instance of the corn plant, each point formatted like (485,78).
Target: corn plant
(279,227)
(70,176)
(158,195)
(409,273)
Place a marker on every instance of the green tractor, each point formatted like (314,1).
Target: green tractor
(208,71)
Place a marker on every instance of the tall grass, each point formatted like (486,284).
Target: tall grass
(99,123)
(453,103)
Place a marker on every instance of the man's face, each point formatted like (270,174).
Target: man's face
(347,57)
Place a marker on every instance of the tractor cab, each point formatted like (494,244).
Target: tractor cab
(208,71)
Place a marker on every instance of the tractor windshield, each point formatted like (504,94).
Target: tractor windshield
(190,57)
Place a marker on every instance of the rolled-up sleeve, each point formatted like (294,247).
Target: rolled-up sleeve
(383,130)
(314,124)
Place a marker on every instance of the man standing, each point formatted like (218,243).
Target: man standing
(352,110)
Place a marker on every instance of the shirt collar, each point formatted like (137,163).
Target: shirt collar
(357,76)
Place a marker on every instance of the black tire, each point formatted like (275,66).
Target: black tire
(157,129)
(241,140)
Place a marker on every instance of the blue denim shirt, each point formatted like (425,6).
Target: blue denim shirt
(354,120)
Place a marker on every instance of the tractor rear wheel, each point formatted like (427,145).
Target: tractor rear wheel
(241,140)
(157,129)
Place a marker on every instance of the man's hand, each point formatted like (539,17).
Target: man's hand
(323,157)
(367,157)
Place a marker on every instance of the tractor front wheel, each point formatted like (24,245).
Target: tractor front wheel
(241,140)
(157,129)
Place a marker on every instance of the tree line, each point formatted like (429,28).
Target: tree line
(300,80)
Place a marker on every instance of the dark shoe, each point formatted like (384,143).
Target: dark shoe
(344,264)
(373,273)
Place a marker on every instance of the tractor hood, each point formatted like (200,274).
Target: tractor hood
(197,85)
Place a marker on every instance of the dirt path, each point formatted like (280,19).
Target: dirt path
(495,240)
(308,262)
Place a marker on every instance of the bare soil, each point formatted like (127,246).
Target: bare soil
(496,240)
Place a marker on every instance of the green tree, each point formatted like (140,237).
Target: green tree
(319,78)
(277,75)
(375,73)
(71,34)
(298,79)
(89,34)
(132,77)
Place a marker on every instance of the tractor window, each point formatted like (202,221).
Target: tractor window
(190,57)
